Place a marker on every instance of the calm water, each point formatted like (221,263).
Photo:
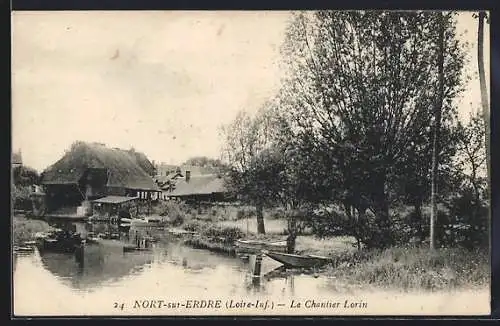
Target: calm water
(111,282)
(170,270)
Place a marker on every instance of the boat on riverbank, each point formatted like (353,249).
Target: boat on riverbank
(58,240)
(298,261)
(250,247)
(131,248)
(145,221)
(24,249)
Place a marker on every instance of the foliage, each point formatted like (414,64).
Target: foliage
(214,232)
(206,162)
(24,176)
(351,129)
(24,229)
(360,93)
(415,268)
(176,211)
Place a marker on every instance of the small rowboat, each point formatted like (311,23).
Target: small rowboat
(92,240)
(247,247)
(298,261)
(134,248)
(24,249)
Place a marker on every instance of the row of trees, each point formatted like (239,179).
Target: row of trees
(364,127)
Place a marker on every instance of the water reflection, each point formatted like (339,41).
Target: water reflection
(166,267)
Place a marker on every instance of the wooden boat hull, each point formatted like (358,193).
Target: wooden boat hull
(298,261)
(24,249)
(251,247)
(134,248)
(54,245)
(92,240)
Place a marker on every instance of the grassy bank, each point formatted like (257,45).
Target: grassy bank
(213,237)
(414,268)
(24,229)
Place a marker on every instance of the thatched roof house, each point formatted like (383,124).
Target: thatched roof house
(90,171)
(143,161)
(122,168)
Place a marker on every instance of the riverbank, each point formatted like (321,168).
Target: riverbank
(24,229)
(394,268)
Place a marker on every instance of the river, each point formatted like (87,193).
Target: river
(169,278)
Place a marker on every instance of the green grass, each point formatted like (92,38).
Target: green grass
(415,268)
(330,247)
(272,226)
(24,229)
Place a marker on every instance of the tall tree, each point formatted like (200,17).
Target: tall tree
(482,84)
(363,85)
(438,108)
(245,141)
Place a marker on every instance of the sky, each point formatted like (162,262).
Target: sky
(160,82)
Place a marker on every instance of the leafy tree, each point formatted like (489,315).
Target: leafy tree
(206,162)
(471,159)
(245,141)
(363,85)
(23,177)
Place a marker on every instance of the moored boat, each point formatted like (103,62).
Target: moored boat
(298,261)
(249,247)
(24,249)
(129,248)
(92,240)
(58,241)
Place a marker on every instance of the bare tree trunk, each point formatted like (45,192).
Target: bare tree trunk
(483,87)
(292,233)
(437,127)
(260,219)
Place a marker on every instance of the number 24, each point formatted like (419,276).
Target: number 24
(118,305)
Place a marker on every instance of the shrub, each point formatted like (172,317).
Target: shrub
(243,213)
(21,197)
(467,224)
(194,226)
(175,211)
(24,229)
(415,268)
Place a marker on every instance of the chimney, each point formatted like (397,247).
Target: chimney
(188,176)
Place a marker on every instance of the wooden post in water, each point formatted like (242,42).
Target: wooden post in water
(257,269)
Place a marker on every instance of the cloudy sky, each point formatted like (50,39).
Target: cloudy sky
(161,82)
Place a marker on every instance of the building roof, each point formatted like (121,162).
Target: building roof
(16,158)
(114,199)
(143,161)
(198,185)
(168,178)
(198,170)
(122,167)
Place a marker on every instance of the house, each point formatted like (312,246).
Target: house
(203,187)
(91,171)
(17,159)
(143,161)
(167,182)
(163,169)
